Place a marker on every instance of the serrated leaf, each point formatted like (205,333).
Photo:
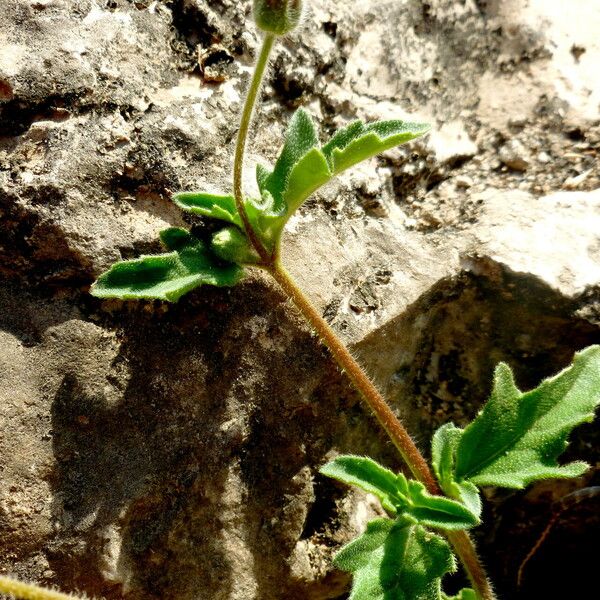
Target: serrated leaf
(464,594)
(396,560)
(368,475)
(300,138)
(517,437)
(443,452)
(399,495)
(167,276)
(215,206)
(303,167)
(357,142)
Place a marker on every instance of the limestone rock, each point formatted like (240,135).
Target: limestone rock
(159,451)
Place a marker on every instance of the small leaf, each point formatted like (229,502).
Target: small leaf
(357,142)
(464,594)
(262,176)
(176,238)
(443,452)
(166,276)
(300,138)
(266,220)
(396,560)
(438,511)
(209,205)
(231,245)
(517,437)
(368,475)
(308,175)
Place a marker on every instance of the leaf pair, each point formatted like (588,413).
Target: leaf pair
(517,437)
(167,276)
(401,496)
(302,167)
(398,559)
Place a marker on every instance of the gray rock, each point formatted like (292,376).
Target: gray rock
(172,451)
(514,156)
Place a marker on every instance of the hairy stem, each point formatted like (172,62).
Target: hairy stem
(467,554)
(246,120)
(396,431)
(28,591)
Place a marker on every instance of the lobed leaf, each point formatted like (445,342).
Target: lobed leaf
(399,495)
(517,437)
(167,276)
(396,560)
(303,166)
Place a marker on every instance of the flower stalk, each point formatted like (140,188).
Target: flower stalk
(397,433)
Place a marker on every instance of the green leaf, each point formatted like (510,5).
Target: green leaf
(464,594)
(517,437)
(438,511)
(303,167)
(262,175)
(209,205)
(167,276)
(176,238)
(266,219)
(443,453)
(396,560)
(309,174)
(399,495)
(300,138)
(368,475)
(357,142)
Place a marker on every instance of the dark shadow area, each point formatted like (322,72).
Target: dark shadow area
(231,382)
(26,312)
(449,343)
(153,466)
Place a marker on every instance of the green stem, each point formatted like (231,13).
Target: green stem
(396,431)
(246,120)
(28,591)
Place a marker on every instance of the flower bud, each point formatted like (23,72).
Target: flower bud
(278,16)
(232,245)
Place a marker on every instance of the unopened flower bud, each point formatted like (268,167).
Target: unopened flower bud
(278,16)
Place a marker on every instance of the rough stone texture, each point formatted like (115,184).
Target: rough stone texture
(153,451)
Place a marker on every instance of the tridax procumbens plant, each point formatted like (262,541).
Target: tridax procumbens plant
(514,441)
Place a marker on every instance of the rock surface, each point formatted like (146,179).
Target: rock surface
(153,451)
